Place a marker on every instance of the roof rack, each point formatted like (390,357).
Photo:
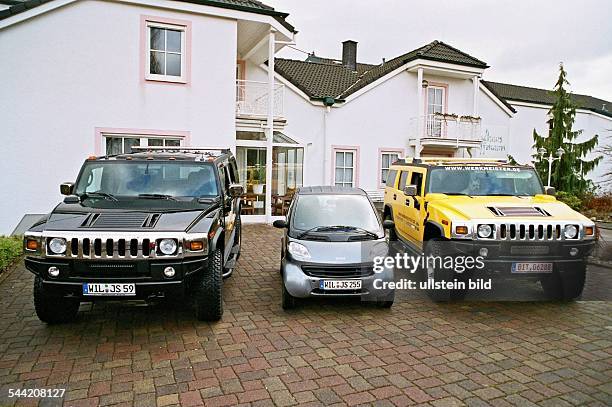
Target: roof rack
(211,151)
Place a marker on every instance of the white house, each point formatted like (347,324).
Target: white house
(99,76)
(83,77)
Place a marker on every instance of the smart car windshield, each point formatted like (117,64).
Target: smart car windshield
(484,180)
(335,212)
(147,180)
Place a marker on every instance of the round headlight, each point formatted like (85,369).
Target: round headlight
(167,246)
(169,272)
(485,231)
(57,245)
(299,251)
(571,231)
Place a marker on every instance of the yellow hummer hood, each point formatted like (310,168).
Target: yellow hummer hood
(495,207)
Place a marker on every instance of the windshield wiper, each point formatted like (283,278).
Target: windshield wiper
(337,228)
(157,196)
(98,194)
(358,229)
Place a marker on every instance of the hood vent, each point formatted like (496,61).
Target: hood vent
(129,220)
(518,211)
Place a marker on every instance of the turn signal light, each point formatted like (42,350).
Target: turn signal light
(195,246)
(31,244)
(461,230)
(589,231)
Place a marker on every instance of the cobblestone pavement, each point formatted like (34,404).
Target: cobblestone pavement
(325,352)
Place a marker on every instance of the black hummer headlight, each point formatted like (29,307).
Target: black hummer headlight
(57,245)
(167,246)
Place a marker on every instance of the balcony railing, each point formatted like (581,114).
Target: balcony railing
(445,128)
(252,99)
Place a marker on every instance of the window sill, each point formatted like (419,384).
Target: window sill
(167,79)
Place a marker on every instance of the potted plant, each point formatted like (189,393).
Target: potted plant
(258,186)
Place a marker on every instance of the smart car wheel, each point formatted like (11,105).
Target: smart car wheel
(287,300)
(209,291)
(53,310)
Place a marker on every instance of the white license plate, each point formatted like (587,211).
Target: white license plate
(340,284)
(109,289)
(532,267)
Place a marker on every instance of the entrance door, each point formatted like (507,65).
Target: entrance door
(252,174)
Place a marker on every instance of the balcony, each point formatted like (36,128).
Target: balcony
(445,131)
(252,99)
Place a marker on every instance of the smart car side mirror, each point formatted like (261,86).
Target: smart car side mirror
(550,191)
(280,224)
(388,224)
(66,188)
(236,190)
(410,190)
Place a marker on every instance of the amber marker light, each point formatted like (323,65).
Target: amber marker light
(31,244)
(196,246)
(589,231)
(461,230)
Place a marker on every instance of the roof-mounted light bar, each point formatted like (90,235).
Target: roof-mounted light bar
(179,149)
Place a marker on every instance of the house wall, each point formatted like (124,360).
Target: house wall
(80,73)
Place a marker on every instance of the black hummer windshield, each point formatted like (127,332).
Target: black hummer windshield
(147,180)
(484,180)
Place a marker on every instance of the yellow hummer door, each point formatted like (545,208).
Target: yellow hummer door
(414,207)
(400,213)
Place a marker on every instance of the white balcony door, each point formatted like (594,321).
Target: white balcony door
(436,99)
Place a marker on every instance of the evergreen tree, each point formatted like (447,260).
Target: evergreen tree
(568,174)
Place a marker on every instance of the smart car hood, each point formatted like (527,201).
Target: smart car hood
(344,252)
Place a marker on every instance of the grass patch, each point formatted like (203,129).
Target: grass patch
(11,248)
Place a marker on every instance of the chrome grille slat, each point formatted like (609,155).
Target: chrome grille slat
(530,231)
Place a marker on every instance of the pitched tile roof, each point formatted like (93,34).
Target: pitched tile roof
(545,97)
(253,6)
(322,77)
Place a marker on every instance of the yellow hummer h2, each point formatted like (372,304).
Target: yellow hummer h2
(493,210)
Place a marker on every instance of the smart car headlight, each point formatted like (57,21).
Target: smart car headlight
(167,246)
(485,231)
(57,245)
(570,232)
(298,251)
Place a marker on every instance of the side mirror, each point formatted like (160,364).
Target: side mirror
(66,188)
(280,224)
(550,191)
(235,190)
(410,190)
(388,224)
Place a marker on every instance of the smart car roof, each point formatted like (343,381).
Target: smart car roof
(330,190)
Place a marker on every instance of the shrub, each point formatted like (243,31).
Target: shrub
(10,250)
(570,199)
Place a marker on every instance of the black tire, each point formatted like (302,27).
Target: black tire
(436,247)
(53,310)
(209,290)
(565,285)
(287,300)
(392,232)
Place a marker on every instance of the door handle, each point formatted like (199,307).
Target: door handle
(407,202)
(394,197)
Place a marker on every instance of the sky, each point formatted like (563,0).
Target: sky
(523,42)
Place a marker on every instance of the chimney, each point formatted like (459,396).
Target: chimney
(349,54)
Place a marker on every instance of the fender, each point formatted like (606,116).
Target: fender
(214,242)
(437,226)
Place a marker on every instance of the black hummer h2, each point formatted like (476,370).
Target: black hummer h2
(158,222)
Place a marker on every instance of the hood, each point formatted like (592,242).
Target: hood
(539,207)
(344,252)
(76,217)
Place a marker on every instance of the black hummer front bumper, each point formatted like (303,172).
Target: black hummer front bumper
(146,275)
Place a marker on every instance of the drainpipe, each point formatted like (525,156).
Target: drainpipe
(270,125)
(328,102)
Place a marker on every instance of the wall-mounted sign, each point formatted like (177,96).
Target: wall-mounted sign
(494,142)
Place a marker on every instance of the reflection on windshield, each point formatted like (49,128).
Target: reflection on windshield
(472,180)
(131,179)
(334,210)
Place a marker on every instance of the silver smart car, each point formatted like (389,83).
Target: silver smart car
(332,236)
